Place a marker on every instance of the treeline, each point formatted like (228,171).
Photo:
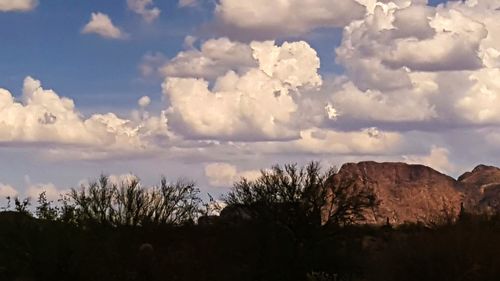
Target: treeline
(289,194)
(118,204)
(272,228)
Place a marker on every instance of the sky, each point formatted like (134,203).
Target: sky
(215,90)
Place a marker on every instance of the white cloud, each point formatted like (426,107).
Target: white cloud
(144,8)
(52,193)
(317,141)
(387,106)
(42,117)
(215,58)
(224,174)
(17,5)
(102,25)
(144,101)
(256,105)
(437,159)
(398,71)
(7,191)
(124,179)
(286,17)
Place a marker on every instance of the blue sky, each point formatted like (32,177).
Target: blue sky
(390,87)
(47,44)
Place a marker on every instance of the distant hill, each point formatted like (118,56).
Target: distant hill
(417,193)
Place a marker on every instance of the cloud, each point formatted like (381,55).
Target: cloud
(102,25)
(224,174)
(215,58)
(151,63)
(144,101)
(17,5)
(437,159)
(319,141)
(397,70)
(145,9)
(42,117)
(256,105)
(7,191)
(383,106)
(271,19)
(52,193)
(188,3)
(124,179)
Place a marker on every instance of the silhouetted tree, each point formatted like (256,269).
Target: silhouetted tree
(284,193)
(45,210)
(128,203)
(307,192)
(175,203)
(21,206)
(348,203)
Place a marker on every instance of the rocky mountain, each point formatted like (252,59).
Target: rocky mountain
(482,186)
(417,193)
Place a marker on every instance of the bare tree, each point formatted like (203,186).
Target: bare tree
(291,192)
(128,203)
(45,210)
(285,193)
(348,202)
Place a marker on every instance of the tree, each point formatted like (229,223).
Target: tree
(44,210)
(348,203)
(291,193)
(287,193)
(21,206)
(129,203)
(175,203)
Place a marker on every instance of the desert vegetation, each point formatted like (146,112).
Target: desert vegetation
(271,228)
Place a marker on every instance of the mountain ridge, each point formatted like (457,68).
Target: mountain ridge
(418,193)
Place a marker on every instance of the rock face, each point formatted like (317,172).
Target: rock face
(407,193)
(482,187)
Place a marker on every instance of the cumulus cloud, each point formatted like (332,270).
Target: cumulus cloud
(287,17)
(145,9)
(144,101)
(414,73)
(318,141)
(256,105)
(151,64)
(17,5)
(393,40)
(437,159)
(52,193)
(386,106)
(43,117)
(213,59)
(7,191)
(224,174)
(102,25)
(397,69)
(120,179)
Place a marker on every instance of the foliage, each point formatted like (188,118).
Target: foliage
(45,210)
(291,191)
(128,203)
(21,206)
(284,242)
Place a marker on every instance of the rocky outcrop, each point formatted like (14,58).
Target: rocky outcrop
(407,193)
(482,189)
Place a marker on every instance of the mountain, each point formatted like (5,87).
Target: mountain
(482,186)
(407,193)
